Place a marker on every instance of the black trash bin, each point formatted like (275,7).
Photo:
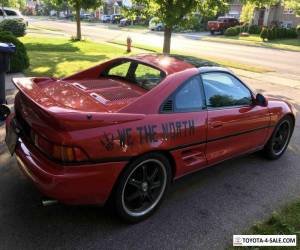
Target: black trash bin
(6,49)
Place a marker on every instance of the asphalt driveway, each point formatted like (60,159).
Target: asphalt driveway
(202,210)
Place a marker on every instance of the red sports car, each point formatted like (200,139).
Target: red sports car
(127,128)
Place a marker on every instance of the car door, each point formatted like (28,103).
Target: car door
(236,125)
(186,124)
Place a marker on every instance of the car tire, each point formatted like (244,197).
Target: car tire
(212,32)
(142,187)
(280,138)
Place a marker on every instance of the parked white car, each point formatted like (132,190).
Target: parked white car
(9,13)
(156,24)
(106,18)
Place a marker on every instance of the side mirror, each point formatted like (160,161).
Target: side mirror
(261,100)
(4,112)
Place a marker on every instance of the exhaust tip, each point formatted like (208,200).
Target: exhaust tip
(46,203)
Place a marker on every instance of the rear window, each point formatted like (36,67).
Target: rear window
(145,76)
(120,70)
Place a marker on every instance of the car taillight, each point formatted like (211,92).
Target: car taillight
(58,152)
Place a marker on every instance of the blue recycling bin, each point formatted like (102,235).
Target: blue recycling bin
(6,50)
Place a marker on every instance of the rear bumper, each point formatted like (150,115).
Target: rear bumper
(79,184)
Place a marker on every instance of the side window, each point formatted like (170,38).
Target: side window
(189,97)
(224,90)
(147,77)
(10,13)
(120,70)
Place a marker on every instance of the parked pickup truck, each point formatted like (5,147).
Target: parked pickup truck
(221,24)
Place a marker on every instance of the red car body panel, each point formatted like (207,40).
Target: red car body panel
(123,122)
(87,184)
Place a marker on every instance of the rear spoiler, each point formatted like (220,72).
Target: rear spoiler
(64,118)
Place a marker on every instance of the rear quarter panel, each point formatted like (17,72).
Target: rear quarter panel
(157,132)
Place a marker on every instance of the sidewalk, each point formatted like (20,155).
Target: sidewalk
(10,88)
(285,80)
(10,96)
(8,83)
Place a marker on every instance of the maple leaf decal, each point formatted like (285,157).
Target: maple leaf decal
(108,141)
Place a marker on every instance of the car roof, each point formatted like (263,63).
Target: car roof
(206,69)
(174,63)
(11,9)
(7,8)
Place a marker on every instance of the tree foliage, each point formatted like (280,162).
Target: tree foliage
(56,5)
(172,12)
(77,5)
(294,5)
(247,13)
(261,3)
(19,4)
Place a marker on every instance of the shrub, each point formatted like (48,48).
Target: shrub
(298,30)
(274,32)
(281,33)
(264,33)
(271,34)
(15,26)
(239,29)
(190,22)
(19,60)
(243,28)
(232,31)
(254,29)
(291,33)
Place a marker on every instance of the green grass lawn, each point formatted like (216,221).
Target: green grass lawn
(61,57)
(287,222)
(255,40)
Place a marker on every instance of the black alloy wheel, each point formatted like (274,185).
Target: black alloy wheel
(280,138)
(142,187)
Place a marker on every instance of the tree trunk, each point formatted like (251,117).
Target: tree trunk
(167,40)
(78,24)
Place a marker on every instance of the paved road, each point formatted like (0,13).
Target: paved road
(279,60)
(202,210)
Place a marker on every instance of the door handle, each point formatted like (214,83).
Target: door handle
(216,124)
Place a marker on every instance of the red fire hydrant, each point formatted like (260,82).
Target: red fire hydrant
(129,41)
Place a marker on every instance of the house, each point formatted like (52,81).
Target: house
(276,15)
(235,9)
(267,16)
(111,7)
